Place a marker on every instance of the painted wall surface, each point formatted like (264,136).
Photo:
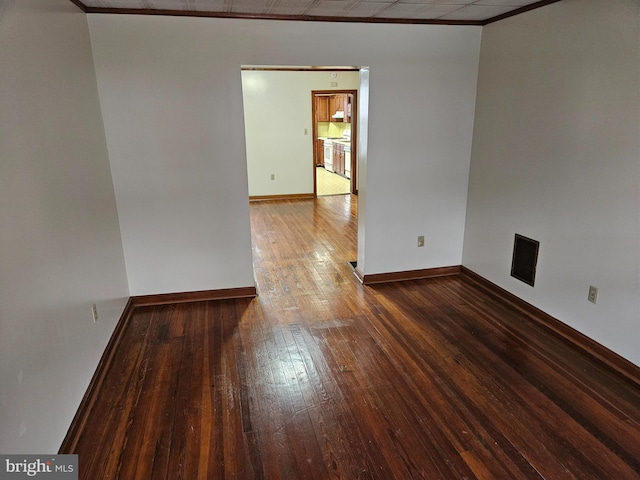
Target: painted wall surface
(60,247)
(173,121)
(363,161)
(421,107)
(556,157)
(172,102)
(277,111)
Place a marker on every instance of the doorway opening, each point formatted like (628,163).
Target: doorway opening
(334,125)
(281,134)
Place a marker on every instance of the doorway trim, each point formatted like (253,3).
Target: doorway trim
(354,136)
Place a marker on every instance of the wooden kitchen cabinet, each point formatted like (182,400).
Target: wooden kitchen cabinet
(319,153)
(328,105)
(322,108)
(345,105)
(347,109)
(338,158)
(338,103)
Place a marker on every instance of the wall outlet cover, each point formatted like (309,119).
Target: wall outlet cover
(593,294)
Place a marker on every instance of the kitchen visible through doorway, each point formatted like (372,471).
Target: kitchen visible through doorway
(334,117)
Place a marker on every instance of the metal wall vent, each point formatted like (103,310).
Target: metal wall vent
(525,259)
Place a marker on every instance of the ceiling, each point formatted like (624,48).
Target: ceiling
(460,12)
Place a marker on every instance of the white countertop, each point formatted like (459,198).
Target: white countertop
(336,140)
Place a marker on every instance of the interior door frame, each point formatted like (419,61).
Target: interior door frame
(354,135)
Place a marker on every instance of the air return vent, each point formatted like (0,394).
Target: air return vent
(525,259)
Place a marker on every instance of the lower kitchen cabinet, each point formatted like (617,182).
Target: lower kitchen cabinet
(319,153)
(338,158)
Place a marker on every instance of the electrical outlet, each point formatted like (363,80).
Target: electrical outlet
(593,294)
(94,312)
(421,241)
(273,176)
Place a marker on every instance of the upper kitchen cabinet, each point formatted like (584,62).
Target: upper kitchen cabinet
(333,108)
(338,107)
(322,108)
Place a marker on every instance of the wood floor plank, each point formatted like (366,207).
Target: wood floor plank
(104,435)
(527,431)
(320,377)
(450,414)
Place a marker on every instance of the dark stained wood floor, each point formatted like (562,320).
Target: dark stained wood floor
(323,378)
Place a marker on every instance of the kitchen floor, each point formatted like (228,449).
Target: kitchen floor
(329,183)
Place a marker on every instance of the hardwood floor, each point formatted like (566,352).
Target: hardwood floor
(323,378)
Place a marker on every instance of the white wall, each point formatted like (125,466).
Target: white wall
(171,94)
(277,110)
(60,248)
(173,120)
(556,157)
